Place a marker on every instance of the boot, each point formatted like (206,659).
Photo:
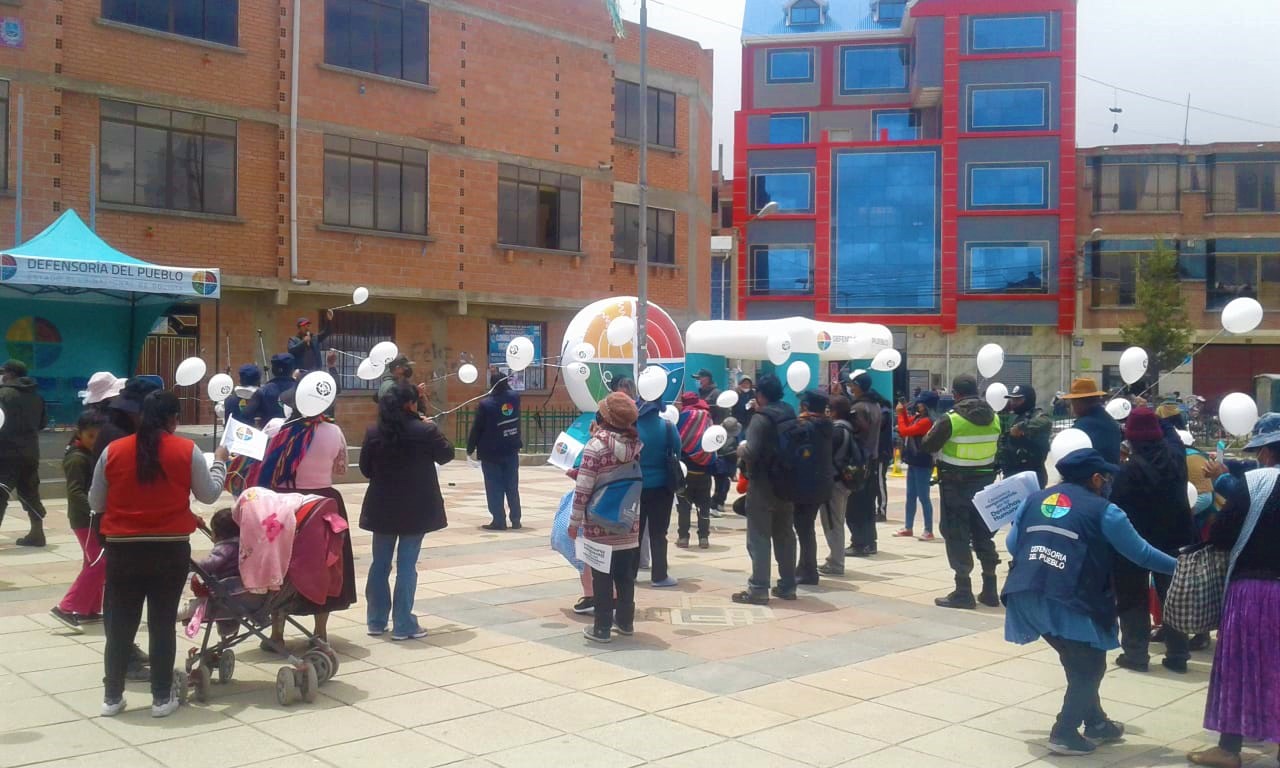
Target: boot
(962,597)
(990,595)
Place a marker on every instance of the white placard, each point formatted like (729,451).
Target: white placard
(243,440)
(998,502)
(564,454)
(598,557)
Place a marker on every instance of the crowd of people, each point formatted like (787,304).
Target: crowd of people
(1087,552)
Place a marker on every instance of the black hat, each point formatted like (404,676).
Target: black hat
(863,380)
(400,362)
(250,375)
(135,391)
(1084,462)
(704,372)
(1017,391)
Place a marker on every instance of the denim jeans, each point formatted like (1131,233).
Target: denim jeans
(1084,666)
(502,482)
(918,489)
(381,601)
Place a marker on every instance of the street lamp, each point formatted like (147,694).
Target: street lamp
(769,209)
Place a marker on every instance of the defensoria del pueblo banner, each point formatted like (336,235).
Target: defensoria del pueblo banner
(139,278)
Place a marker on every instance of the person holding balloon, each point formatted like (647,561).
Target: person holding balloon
(495,438)
(305,346)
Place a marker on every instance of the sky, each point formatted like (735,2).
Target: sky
(1224,53)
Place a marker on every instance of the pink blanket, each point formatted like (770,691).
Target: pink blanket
(267,525)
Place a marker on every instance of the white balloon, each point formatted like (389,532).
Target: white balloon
(584,351)
(990,360)
(1193,495)
(360,295)
(220,387)
(1065,442)
(384,352)
(577,371)
(1133,364)
(519,353)
(1238,413)
(189,372)
(798,376)
(1119,408)
(855,373)
(1187,439)
(621,330)
(778,348)
(315,393)
(997,396)
(714,438)
(727,398)
(369,369)
(1242,315)
(886,360)
(468,374)
(220,410)
(652,382)
(671,414)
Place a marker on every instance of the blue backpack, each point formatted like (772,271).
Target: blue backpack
(615,501)
(801,468)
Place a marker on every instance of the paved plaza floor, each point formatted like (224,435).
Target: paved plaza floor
(862,671)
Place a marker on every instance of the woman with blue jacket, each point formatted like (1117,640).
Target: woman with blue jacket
(661,444)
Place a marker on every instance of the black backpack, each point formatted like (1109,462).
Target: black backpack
(800,471)
(852,466)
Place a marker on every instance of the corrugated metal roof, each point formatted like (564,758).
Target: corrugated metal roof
(763,18)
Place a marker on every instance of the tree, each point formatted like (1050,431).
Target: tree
(1163,329)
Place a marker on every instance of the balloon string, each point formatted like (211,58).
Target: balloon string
(1189,357)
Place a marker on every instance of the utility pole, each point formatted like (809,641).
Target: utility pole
(642,256)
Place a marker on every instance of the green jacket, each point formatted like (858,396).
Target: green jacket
(24,417)
(1032,448)
(77,467)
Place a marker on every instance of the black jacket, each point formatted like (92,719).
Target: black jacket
(1151,488)
(307,354)
(1103,430)
(403,497)
(495,433)
(24,417)
(1258,559)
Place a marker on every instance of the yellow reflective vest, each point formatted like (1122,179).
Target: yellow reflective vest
(971,446)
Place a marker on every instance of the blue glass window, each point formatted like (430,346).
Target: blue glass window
(1009,33)
(885,232)
(781,269)
(788,129)
(1006,267)
(901,126)
(791,190)
(890,10)
(805,12)
(873,69)
(790,65)
(998,108)
(1009,186)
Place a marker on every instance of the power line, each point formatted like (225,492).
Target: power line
(1178,104)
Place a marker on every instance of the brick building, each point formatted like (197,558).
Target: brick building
(922,155)
(1217,206)
(471,163)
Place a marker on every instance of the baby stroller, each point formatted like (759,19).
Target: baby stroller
(314,573)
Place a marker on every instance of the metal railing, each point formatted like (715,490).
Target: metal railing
(539,428)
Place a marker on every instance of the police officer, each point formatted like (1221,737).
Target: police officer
(965,443)
(1024,444)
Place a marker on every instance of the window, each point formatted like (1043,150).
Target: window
(1135,186)
(539,209)
(1005,330)
(885,238)
(1115,279)
(1006,267)
(791,190)
(789,65)
(999,108)
(354,333)
(4,134)
(661,109)
(804,13)
(873,69)
(1245,187)
(1009,33)
(890,10)
(896,126)
(374,186)
(384,37)
(661,234)
(788,129)
(781,269)
(162,158)
(1009,186)
(212,20)
(1232,275)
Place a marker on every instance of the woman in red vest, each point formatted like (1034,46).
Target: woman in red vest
(142,488)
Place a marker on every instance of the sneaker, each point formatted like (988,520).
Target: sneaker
(1105,732)
(138,655)
(89,618)
(850,551)
(927,536)
(778,593)
(1216,757)
(957,599)
(808,581)
(627,630)
(1124,662)
(866,551)
(1070,743)
(670,581)
(376,631)
(717,511)
(164,708)
(493,527)
(827,569)
(601,636)
(750,598)
(66,617)
(905,533)
(704,542)
(1178,666)
(137,671)
(414,635)
(112,708)
(585,605)
(683,542)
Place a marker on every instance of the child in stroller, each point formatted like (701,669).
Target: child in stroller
(222,565)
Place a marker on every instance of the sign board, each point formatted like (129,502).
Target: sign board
(108,275)
(597,556)
(501,334)
(999,502)
(12,34)
(243,440)
(564,454)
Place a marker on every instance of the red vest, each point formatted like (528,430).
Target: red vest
(161,508)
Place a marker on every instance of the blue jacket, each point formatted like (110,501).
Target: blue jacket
(660,441)
(495,434)
(1103,430)
(265,403)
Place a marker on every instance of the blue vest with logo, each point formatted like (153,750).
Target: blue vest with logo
(1062,553)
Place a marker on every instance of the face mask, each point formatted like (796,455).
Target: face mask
(1105,490)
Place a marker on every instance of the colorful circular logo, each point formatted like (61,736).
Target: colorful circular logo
(824,341)
(507,410)
(8,267)
(1056,505)
(244,433)
(35,341)
(204,282)
(590,326)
